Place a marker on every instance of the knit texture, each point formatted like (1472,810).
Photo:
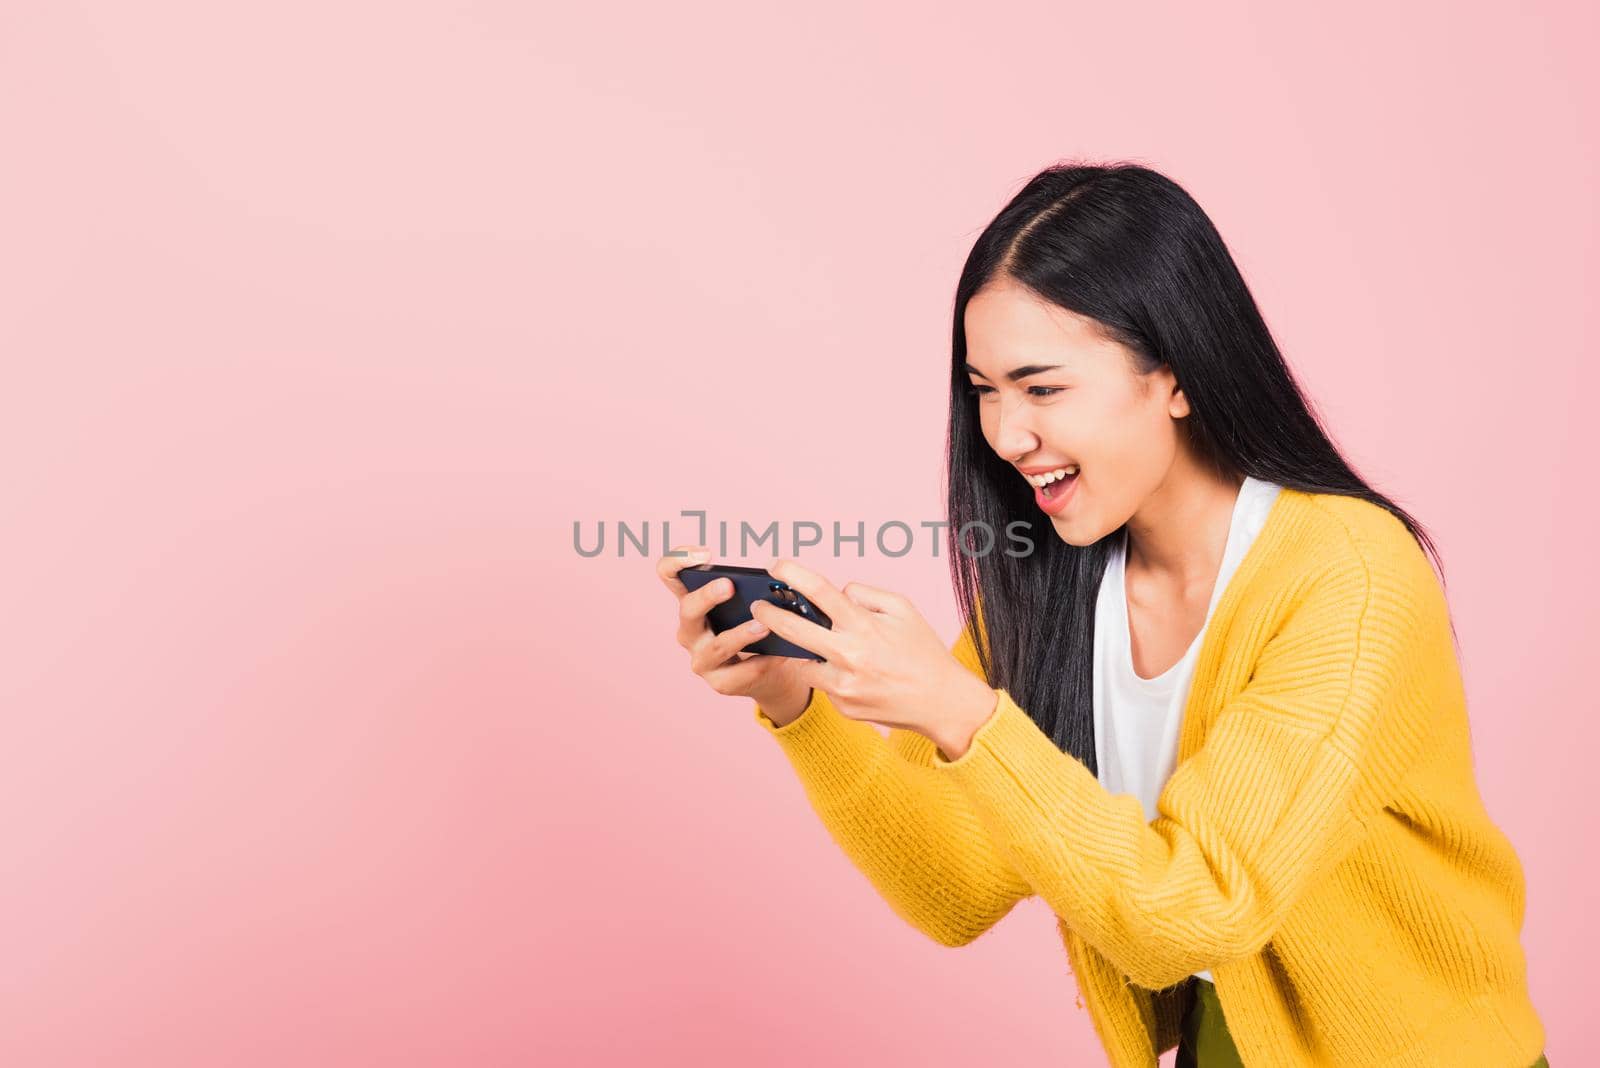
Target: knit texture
(1321,846)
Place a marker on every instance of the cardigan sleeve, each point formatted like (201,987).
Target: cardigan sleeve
(1333,715)
(910,830)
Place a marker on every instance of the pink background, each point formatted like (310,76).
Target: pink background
(322,324)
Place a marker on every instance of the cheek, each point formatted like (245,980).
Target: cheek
(1109,440)
(1135,451)
(1115,426)
(1078,428)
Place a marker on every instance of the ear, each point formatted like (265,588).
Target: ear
(1177,403)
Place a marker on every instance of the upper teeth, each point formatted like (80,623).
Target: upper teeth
(1048,477)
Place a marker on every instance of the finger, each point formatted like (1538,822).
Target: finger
(738,677)
(735,677)
(874,599)
(712,651)
(668,565)
(804,633)
(818,590)
(693,606)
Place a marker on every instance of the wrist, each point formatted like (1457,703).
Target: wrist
(784,709)
(976,705)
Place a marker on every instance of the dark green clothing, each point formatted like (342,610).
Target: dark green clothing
(1205,1042)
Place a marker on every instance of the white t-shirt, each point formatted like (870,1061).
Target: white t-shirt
(1136,720)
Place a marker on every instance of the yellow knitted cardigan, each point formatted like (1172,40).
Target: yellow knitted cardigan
(1321,846)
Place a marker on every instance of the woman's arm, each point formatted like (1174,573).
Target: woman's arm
(909,829)
(1336,711)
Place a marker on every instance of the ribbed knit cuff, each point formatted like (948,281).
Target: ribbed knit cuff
(1008,731)
(766,721)
(1015,768)
(835,754)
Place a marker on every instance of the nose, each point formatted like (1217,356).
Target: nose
(1013,436)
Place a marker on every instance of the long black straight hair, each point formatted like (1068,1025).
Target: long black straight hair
(1128,248)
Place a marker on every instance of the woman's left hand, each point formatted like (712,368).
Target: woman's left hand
(885,664)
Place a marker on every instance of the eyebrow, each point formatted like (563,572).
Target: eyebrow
(1018,373)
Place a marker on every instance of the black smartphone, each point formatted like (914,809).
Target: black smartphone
(751,584)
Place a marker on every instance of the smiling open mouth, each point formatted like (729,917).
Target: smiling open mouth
(1054,491)
(1059,486)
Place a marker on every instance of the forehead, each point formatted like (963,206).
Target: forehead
(1007,325)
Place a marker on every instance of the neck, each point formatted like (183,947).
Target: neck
(1179,533)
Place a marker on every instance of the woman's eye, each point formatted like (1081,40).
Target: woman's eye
(974,390)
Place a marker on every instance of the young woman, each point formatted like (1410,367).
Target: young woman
(1214,717)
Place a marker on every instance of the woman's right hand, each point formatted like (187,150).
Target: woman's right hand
(771,681)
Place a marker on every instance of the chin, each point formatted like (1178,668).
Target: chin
(1065,532)
(1079,534)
